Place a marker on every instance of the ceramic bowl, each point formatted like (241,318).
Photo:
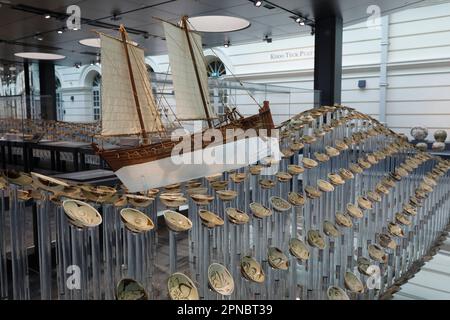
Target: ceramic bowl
(210,219)
(296,199)
(237,216)
(346,174)
(353,283)
(321,157)
(181,287)
(312,193)
(309,163)
(283,177)
(354,211)
(202,199)
(295,169)
(364,203)
(336,179)
(277,259)
(266,184)
(47,183)
(136,221)
(226,195)
(129,289)
(374,196)
(376,253)
(220,279)
(298,249)
(81,214)
(330,229)
(344,220)
(332,152)
(395,230)
(336,293)
(315,239)
(252,270)
(386,241)
(177,222)
(260,211)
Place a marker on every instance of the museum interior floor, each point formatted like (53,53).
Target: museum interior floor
(432,282)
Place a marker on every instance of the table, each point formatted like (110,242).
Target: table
(79,151)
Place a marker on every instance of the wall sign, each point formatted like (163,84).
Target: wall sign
(292,54)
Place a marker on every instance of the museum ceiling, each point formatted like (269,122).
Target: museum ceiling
(24,26)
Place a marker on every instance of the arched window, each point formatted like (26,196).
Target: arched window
(149,68)
(215,67)
(96,96)
(59,104)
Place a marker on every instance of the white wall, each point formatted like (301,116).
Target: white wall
(418,91)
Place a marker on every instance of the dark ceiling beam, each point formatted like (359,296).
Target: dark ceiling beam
(328,51)
(92,22)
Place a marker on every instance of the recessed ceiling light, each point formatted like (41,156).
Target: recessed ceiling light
(96,43)
(258,3)
(47,16)
(217,23)
(59,31)
(39,55)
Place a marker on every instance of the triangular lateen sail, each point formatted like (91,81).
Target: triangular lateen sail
(189,104)
(119,113)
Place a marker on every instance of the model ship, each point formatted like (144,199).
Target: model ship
(151,163)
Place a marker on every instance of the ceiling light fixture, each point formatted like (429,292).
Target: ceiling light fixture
(39,37)
(90,42)
(258,3)
(227,44)
(267,39)
(77,65)
(300,19)
(47,16)
(39,55)
(60,31)
(219,24)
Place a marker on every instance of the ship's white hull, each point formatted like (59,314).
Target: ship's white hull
(198,164)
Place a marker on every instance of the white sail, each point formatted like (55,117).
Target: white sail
(189,104)
(119,113)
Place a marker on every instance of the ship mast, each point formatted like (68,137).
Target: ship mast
(197,75)
(133,84)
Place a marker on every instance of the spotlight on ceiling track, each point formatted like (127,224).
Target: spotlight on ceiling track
(39,37)
(313,31)
(258,3)
(227,44)
(267,39)
(77,65)
(300,20)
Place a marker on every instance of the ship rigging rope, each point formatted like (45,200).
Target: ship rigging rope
(149,94)
(159,103)
(226,67)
